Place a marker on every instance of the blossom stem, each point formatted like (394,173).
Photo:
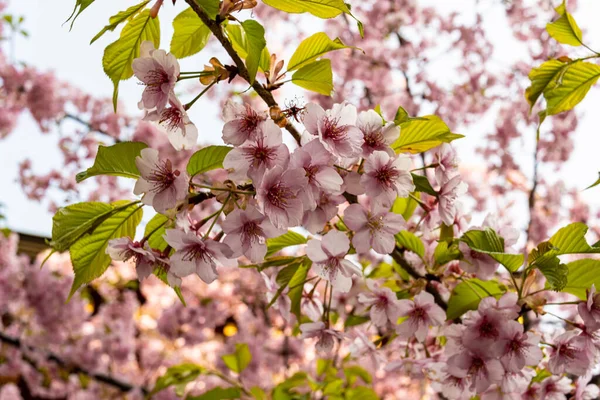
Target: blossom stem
(425,167)
(420,202)
(146,237)
(325,317)
(223,189)
(229,380)
(561,318)
(191,103)
(217,217)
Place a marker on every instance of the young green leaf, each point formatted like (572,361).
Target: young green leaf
(207,159)
(565,30)
(119,18)
(296,285)
(570,86)
(255,40)
(581,275)
(119,55)
(88,254)
(421,134)
(239,360)
(218,393)
(115,160)
(467,295)
(595,183)
(288,239)
(190,35)
(312,48)
(318,8)
(211,7)
(540,77)
(316,77)
(406,206)
(177,375)
(155,230)
(80,6)
(411,242)
(73,221)
(237,36)
(488,242)
(423,185)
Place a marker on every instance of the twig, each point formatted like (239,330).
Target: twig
(90,126)
(215,28)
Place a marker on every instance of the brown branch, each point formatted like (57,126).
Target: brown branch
(216,29)
(90,126)
(71,368)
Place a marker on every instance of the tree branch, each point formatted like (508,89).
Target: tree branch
(215,28)
(71,368)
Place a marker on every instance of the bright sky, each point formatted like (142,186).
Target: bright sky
(52,47)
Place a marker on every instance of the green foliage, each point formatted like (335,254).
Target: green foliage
(285,390)
(595,183)
(582,274)
(318,8)
(255,44)
(177,375)
(80,6)
(406,206)
(487,241)
(258,393)
(190,35)
(410,241)
(119,18)
(284,276)
(540,78)
(207,159)
(218,393)
(88,253)
(288,239)
(72,222)
(445,252)
(316,76)
(401,116)
(239,360)
(355,320)
(155,230)
(115,160)
(564,29)
(312,48)
(467,295)
(418,135)
(119,55)
(361,393)
(296,285)
(353,372)
(570,85)
(211,7)
(422,184)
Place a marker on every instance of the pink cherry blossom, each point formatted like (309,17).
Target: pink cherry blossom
(328,258)
(590,309)
(263,151)
(310,304)
(124,248)
(241,123)
(374,230)
(453,387)
(158,71)
(475,262)
(570,354)
(421,313)
(335,128)
(163,187)
(363,347)
(449,192)
(247,231)
(447,163)
(507,232)
(327,208)
(507,305)
(386,178)
(584,391)
(518,348)
(376,135)
(194,254)
(278,196)
(485,331)
(483,371)
(383,303)
(325,336)
(176,124)
(322,177)
(555,388)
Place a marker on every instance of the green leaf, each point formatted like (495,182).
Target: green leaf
(88,254)
(115,160)
(445,252)
(422,184)
(318,8)
(316,77)
(119,55)
(354,372)
(207,159)
(155,230)
(288,239)
(190,35)
(569,87)
(410,241)
(421,134)
(312,48)
(71,222)
(595,183)
(555,272)
(355,320)
(582,274)
(565,30)
(218,393)
(80,6)
(211,7)
(177,375)
(258,393)
(240,45)
(540,77)
(467,295)
(401,116)
(119,18)
(239,360)
(296,285)
(361,393)
(285,274)
(488,242)
(406,206)
(255,40)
